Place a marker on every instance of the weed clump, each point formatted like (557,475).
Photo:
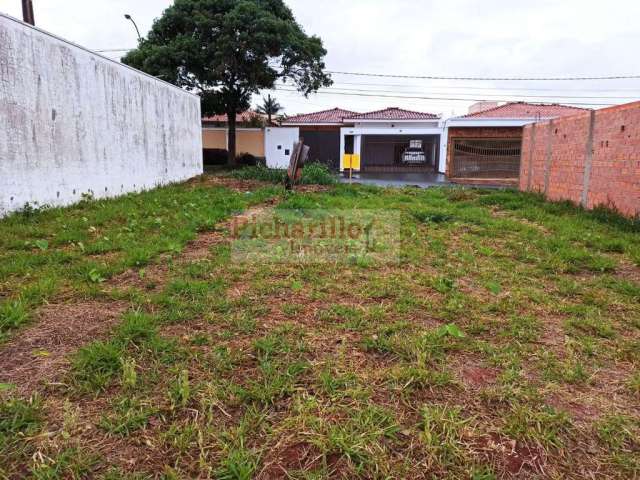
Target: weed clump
(312,174)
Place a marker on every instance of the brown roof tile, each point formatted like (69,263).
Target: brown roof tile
(394,113)
(526,110)
(335,115)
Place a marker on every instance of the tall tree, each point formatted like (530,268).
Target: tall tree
(227,50)
(269,107)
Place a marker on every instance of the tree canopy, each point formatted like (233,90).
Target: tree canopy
(227,50)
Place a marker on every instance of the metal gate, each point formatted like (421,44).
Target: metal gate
(399,153)
(482,158)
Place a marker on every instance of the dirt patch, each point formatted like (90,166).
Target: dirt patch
(200,247)
(228,182)
(575,403)
(155,276)
(39,354)
(552,335)
(628,271)
(513,457)
(150,279)
(478,377)
(311,188)
(249,185)
(300,456)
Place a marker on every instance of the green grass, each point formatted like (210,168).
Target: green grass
(43,252)
(129,414)
(442,432)
(506,329)
(96,365)
(18,419)
(13,314)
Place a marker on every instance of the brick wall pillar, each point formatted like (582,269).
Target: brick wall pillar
(532,146)
(584,198)
(548,156)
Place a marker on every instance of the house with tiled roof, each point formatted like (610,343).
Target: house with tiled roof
(320,131)
(388,140)
(484,146)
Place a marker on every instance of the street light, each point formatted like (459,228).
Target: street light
(128,17)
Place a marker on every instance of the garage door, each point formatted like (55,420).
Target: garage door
(324,147)
(483,158)
(399,153)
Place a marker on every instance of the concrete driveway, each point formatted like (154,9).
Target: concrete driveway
(422,180)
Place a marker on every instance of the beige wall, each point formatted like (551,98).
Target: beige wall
(250,141)
(214,139)
(247,140)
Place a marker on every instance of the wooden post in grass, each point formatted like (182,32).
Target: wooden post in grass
(299,155)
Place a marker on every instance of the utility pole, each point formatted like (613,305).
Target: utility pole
(27,12)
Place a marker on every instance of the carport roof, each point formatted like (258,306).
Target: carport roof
(523,110)
(394,113)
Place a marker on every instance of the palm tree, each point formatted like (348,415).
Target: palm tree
(269,107)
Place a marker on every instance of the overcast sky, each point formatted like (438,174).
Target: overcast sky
(499,38)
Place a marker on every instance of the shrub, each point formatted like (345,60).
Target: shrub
(312,174)
(246,159)
(317,174)
(260,173)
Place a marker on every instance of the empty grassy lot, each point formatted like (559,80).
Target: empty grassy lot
(505,343)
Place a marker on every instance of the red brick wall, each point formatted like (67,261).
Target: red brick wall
(478,132)
(555,157)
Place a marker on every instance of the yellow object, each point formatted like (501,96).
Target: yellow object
(351,161)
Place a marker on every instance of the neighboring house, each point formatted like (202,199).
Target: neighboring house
(249,136)
(393,140)
(389,140)
(321,132)
(484,146)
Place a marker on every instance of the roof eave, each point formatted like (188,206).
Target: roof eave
(388,120)
(311,124)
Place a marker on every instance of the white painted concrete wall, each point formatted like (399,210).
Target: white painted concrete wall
(74,122)
(278,145)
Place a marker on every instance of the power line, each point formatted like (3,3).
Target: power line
(442,77)
(510,89)
(488,79)
(450,99)
(597,97)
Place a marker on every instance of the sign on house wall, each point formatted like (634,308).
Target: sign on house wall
(74,123)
